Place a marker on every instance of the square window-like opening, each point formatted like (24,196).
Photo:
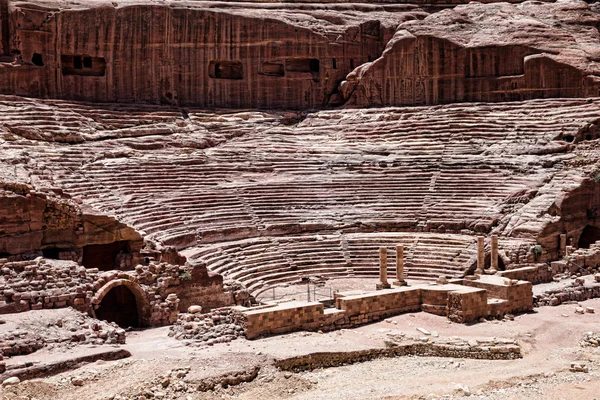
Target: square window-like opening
(87,62)
(226,70)
(273,69)
(302,65)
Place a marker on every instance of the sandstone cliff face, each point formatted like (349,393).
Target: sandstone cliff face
(201,54)
(491,52)
(33,221)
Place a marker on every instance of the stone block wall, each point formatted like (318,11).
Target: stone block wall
(283,318)
(37,284)
(467,305)
(535,274)
(487,296)
(202,288)
(518,294)
(377,305)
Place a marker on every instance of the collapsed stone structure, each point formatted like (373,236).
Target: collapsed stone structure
(148,209)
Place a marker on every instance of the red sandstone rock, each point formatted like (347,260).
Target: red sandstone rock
(485,52)
(195,53)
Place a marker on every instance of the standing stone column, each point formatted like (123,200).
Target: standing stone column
(563,245)
(480,255)
(400,266)
(383,269)
(494,254)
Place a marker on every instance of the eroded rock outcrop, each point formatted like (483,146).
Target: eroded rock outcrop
(485,52)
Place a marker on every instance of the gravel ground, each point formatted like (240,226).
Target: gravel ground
(550,339)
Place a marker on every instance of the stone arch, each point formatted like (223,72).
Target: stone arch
(142,305)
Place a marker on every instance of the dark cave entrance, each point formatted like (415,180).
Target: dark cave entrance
(488,262)
(52,253)
(589,236)
(104,256)
(119,306)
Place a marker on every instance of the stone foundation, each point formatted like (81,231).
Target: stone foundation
(481,350)
(460,303)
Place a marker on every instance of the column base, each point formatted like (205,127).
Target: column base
(400,283)
(381,286)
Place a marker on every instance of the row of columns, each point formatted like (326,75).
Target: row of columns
(400,261)
(481,255)
(399,267)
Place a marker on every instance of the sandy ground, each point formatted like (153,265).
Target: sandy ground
(549,339)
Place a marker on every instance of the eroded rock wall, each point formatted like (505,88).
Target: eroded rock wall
(33,223)
(190,55)
(485,52)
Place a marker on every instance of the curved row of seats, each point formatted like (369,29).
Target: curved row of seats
(191,178)
(264,262)
(444,168)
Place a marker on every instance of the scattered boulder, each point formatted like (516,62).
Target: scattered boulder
(578,367)
(194,309)
(11,381)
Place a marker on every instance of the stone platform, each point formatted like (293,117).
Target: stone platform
(462,301)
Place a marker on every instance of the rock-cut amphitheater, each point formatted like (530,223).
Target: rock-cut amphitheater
(258,169)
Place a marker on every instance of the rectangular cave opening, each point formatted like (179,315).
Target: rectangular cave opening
(272,69)
(226,70)
(83,65)
(104,256)
(302,65)
(51,253)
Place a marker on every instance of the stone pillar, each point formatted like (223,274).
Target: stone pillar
(383,269)
(494,255)
(480,255)
(563,245)
(399,266)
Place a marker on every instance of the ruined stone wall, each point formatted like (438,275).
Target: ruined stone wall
(467,306)
(203,288)
(501,349)
(460,303)
(579,291)
(41,284)
(517,294)
(170,54)
(540,273)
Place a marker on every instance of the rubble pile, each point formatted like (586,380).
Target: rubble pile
(590,339)
(217,326)
(27,333)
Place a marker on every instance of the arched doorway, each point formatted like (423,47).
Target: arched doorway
(589,236)
(120,306)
